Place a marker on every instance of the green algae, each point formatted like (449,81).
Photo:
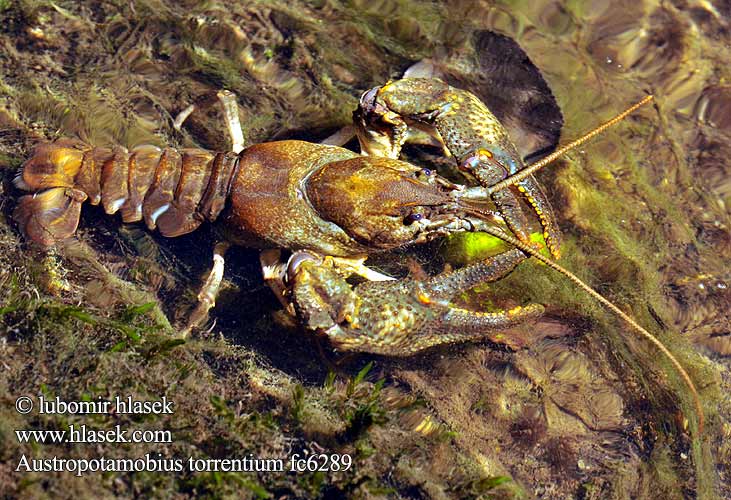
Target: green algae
(634,210)
(463,248)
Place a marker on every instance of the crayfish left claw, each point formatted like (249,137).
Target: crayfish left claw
(468,130)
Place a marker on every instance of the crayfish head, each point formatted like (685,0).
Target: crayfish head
(380,202)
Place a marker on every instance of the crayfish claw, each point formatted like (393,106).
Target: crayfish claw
(536,198)
(400,318)
(471,134)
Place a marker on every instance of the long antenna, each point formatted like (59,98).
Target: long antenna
(513,179)
(552,264)
(636,326)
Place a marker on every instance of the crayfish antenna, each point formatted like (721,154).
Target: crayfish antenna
(636,326)
(514,179)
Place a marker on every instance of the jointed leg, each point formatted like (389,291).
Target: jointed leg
(231,111)
(274,271)
(209,290)
(231,114)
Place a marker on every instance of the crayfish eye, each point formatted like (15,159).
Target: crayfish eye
(424,172)
(411,218)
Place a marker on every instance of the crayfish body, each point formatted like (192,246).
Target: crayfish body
(329,206)
(318,199)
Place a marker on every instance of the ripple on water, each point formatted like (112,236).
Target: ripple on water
(713,106)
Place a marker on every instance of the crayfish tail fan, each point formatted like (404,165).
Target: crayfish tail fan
(49,216)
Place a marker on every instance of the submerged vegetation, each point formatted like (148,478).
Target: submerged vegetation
(574,407)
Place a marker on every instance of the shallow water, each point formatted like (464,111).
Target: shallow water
(583,410)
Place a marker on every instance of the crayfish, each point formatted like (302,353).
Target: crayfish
(331,208)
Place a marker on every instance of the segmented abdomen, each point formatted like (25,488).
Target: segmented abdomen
(172,190)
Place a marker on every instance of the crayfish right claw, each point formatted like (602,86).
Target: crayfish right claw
(400,318)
